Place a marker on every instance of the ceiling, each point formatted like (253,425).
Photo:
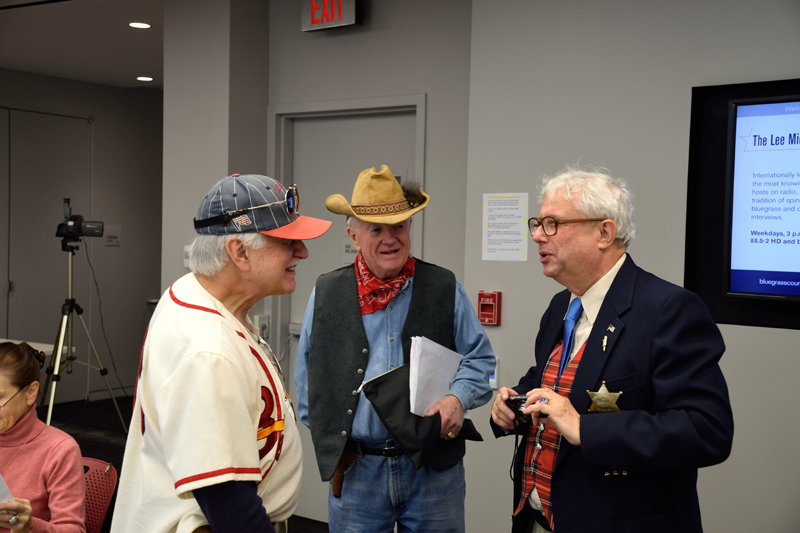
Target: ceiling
(86,40)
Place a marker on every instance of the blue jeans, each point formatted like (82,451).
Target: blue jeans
(378,492)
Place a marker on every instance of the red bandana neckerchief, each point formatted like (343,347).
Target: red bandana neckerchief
(374,294)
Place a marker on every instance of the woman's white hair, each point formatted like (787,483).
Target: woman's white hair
(207,254)
(597,194)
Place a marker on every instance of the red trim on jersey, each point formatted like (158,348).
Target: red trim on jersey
(266,372)
(191,306)
(271,383)
(216,473)
(264,476)
(279,414)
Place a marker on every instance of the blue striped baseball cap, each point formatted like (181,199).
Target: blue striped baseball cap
(252,203)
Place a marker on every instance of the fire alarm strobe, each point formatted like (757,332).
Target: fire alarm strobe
(489,307)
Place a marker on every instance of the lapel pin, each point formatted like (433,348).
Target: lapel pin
(611,328)
(605,341)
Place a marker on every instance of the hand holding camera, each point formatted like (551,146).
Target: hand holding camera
(517,404)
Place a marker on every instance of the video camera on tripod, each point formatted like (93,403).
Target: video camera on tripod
(71,230)
(74,227)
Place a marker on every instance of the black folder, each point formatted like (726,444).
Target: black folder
(418,435)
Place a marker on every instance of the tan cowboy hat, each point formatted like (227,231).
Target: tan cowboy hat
(377,198)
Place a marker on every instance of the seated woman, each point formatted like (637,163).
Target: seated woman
(41,465)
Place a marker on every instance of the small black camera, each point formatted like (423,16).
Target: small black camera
(74,227)
(517,403)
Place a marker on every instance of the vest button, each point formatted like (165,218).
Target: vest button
(391,339)
(360,370)
(390,308)
(349,411)
(344,433)
(365,351)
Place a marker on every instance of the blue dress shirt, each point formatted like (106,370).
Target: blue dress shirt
(383,328)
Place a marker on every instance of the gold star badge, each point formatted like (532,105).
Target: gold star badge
(604,401)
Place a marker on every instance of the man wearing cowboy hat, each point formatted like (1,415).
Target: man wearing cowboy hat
(358,325)
(213,442)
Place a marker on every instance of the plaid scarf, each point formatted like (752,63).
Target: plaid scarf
(374,294)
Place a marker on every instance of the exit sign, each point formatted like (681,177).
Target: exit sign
(323,14)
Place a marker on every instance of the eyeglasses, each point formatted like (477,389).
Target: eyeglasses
(292,201)
(12,396)
(550,224)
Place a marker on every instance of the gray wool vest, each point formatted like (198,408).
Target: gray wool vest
(339,350)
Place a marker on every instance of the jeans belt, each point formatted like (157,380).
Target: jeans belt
(390,453)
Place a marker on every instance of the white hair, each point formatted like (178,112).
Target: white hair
(598,195)
(207,254)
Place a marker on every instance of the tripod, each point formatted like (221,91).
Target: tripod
(54,368)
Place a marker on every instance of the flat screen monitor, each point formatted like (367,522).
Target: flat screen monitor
(743,203)
(764,162)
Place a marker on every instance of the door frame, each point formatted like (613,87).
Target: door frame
(280,136)
(280,152)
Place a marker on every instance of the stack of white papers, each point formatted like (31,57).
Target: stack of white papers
(5,493)
(432,369)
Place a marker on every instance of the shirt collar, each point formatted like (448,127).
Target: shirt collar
(592,299)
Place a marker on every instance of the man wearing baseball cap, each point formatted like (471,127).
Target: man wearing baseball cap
(213,443)
(358,325)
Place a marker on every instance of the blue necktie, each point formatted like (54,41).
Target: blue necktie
(573,313)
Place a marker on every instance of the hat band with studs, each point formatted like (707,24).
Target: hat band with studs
(391,208)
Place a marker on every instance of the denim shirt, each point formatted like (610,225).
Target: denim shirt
(383,329)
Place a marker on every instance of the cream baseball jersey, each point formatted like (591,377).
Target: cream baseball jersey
(210,407)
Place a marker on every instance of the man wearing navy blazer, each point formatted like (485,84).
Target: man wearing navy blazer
(618,431)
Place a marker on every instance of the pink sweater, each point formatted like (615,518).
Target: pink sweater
(48,471)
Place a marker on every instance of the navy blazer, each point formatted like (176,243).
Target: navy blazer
(662,351)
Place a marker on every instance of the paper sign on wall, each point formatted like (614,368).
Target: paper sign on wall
(505,227)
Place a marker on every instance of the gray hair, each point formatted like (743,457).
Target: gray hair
(597,195)
(207,254)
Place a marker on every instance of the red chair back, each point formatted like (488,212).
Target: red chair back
(101,480)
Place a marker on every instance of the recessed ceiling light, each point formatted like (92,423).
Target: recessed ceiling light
(140,25)
(144,78)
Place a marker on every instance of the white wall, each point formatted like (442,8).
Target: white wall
(196,115)
(609,83)
(215,108)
